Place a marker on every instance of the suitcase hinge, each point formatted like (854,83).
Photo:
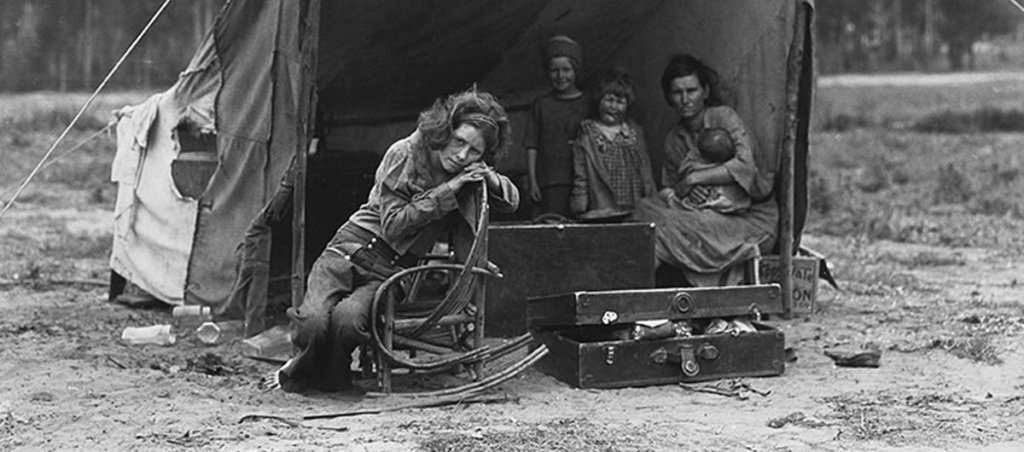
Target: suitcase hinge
(609,354)
(583,301)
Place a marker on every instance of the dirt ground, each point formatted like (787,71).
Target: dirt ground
(947,315)
(948,322)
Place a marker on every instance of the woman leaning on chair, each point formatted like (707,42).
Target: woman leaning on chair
(419,195)
(710,216)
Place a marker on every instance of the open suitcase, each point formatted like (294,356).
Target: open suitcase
(589,335)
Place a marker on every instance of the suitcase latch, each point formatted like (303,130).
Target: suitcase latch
(609,354)
(688,360)
(682,302)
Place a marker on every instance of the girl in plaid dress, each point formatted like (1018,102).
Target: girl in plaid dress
(611,168)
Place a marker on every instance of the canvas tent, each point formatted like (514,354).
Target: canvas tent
(273,74)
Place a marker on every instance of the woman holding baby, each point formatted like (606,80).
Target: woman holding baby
(709,216)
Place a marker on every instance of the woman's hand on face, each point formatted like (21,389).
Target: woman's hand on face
(490,176)
(468,174)
(477,171)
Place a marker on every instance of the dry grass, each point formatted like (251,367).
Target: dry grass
(901,419)
(899,106)
(978,349)
(45,111)
(33,121)
(873,177)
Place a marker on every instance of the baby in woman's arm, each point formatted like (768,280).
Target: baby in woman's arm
(714,147)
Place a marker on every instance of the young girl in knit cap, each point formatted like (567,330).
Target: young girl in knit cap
(552,126)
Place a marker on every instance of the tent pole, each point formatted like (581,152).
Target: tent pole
(786,236)
(307,104)
(299,227)
(788,163)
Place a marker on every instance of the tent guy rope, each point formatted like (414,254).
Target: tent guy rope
(63,155)
(81,111)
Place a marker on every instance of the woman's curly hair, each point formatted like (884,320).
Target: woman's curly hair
(476,108)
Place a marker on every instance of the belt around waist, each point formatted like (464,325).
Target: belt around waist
(372,243)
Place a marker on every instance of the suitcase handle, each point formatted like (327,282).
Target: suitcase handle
(688,357)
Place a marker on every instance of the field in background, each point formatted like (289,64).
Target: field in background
(892,161)
(30,124)
(899,101)
(60,227)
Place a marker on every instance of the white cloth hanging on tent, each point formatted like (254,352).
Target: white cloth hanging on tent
(153,223)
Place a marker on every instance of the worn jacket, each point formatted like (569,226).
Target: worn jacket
(410,203)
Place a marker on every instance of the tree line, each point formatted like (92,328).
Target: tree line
(70,45)
(921,35)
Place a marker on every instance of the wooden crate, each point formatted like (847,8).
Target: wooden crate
(805,279)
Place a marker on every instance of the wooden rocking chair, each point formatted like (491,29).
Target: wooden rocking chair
(445,334)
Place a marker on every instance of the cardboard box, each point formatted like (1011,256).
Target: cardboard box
(805,280)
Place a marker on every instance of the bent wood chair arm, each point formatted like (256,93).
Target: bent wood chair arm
(456,300)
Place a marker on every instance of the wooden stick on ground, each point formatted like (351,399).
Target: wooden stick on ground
(28,282)
(439,402)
